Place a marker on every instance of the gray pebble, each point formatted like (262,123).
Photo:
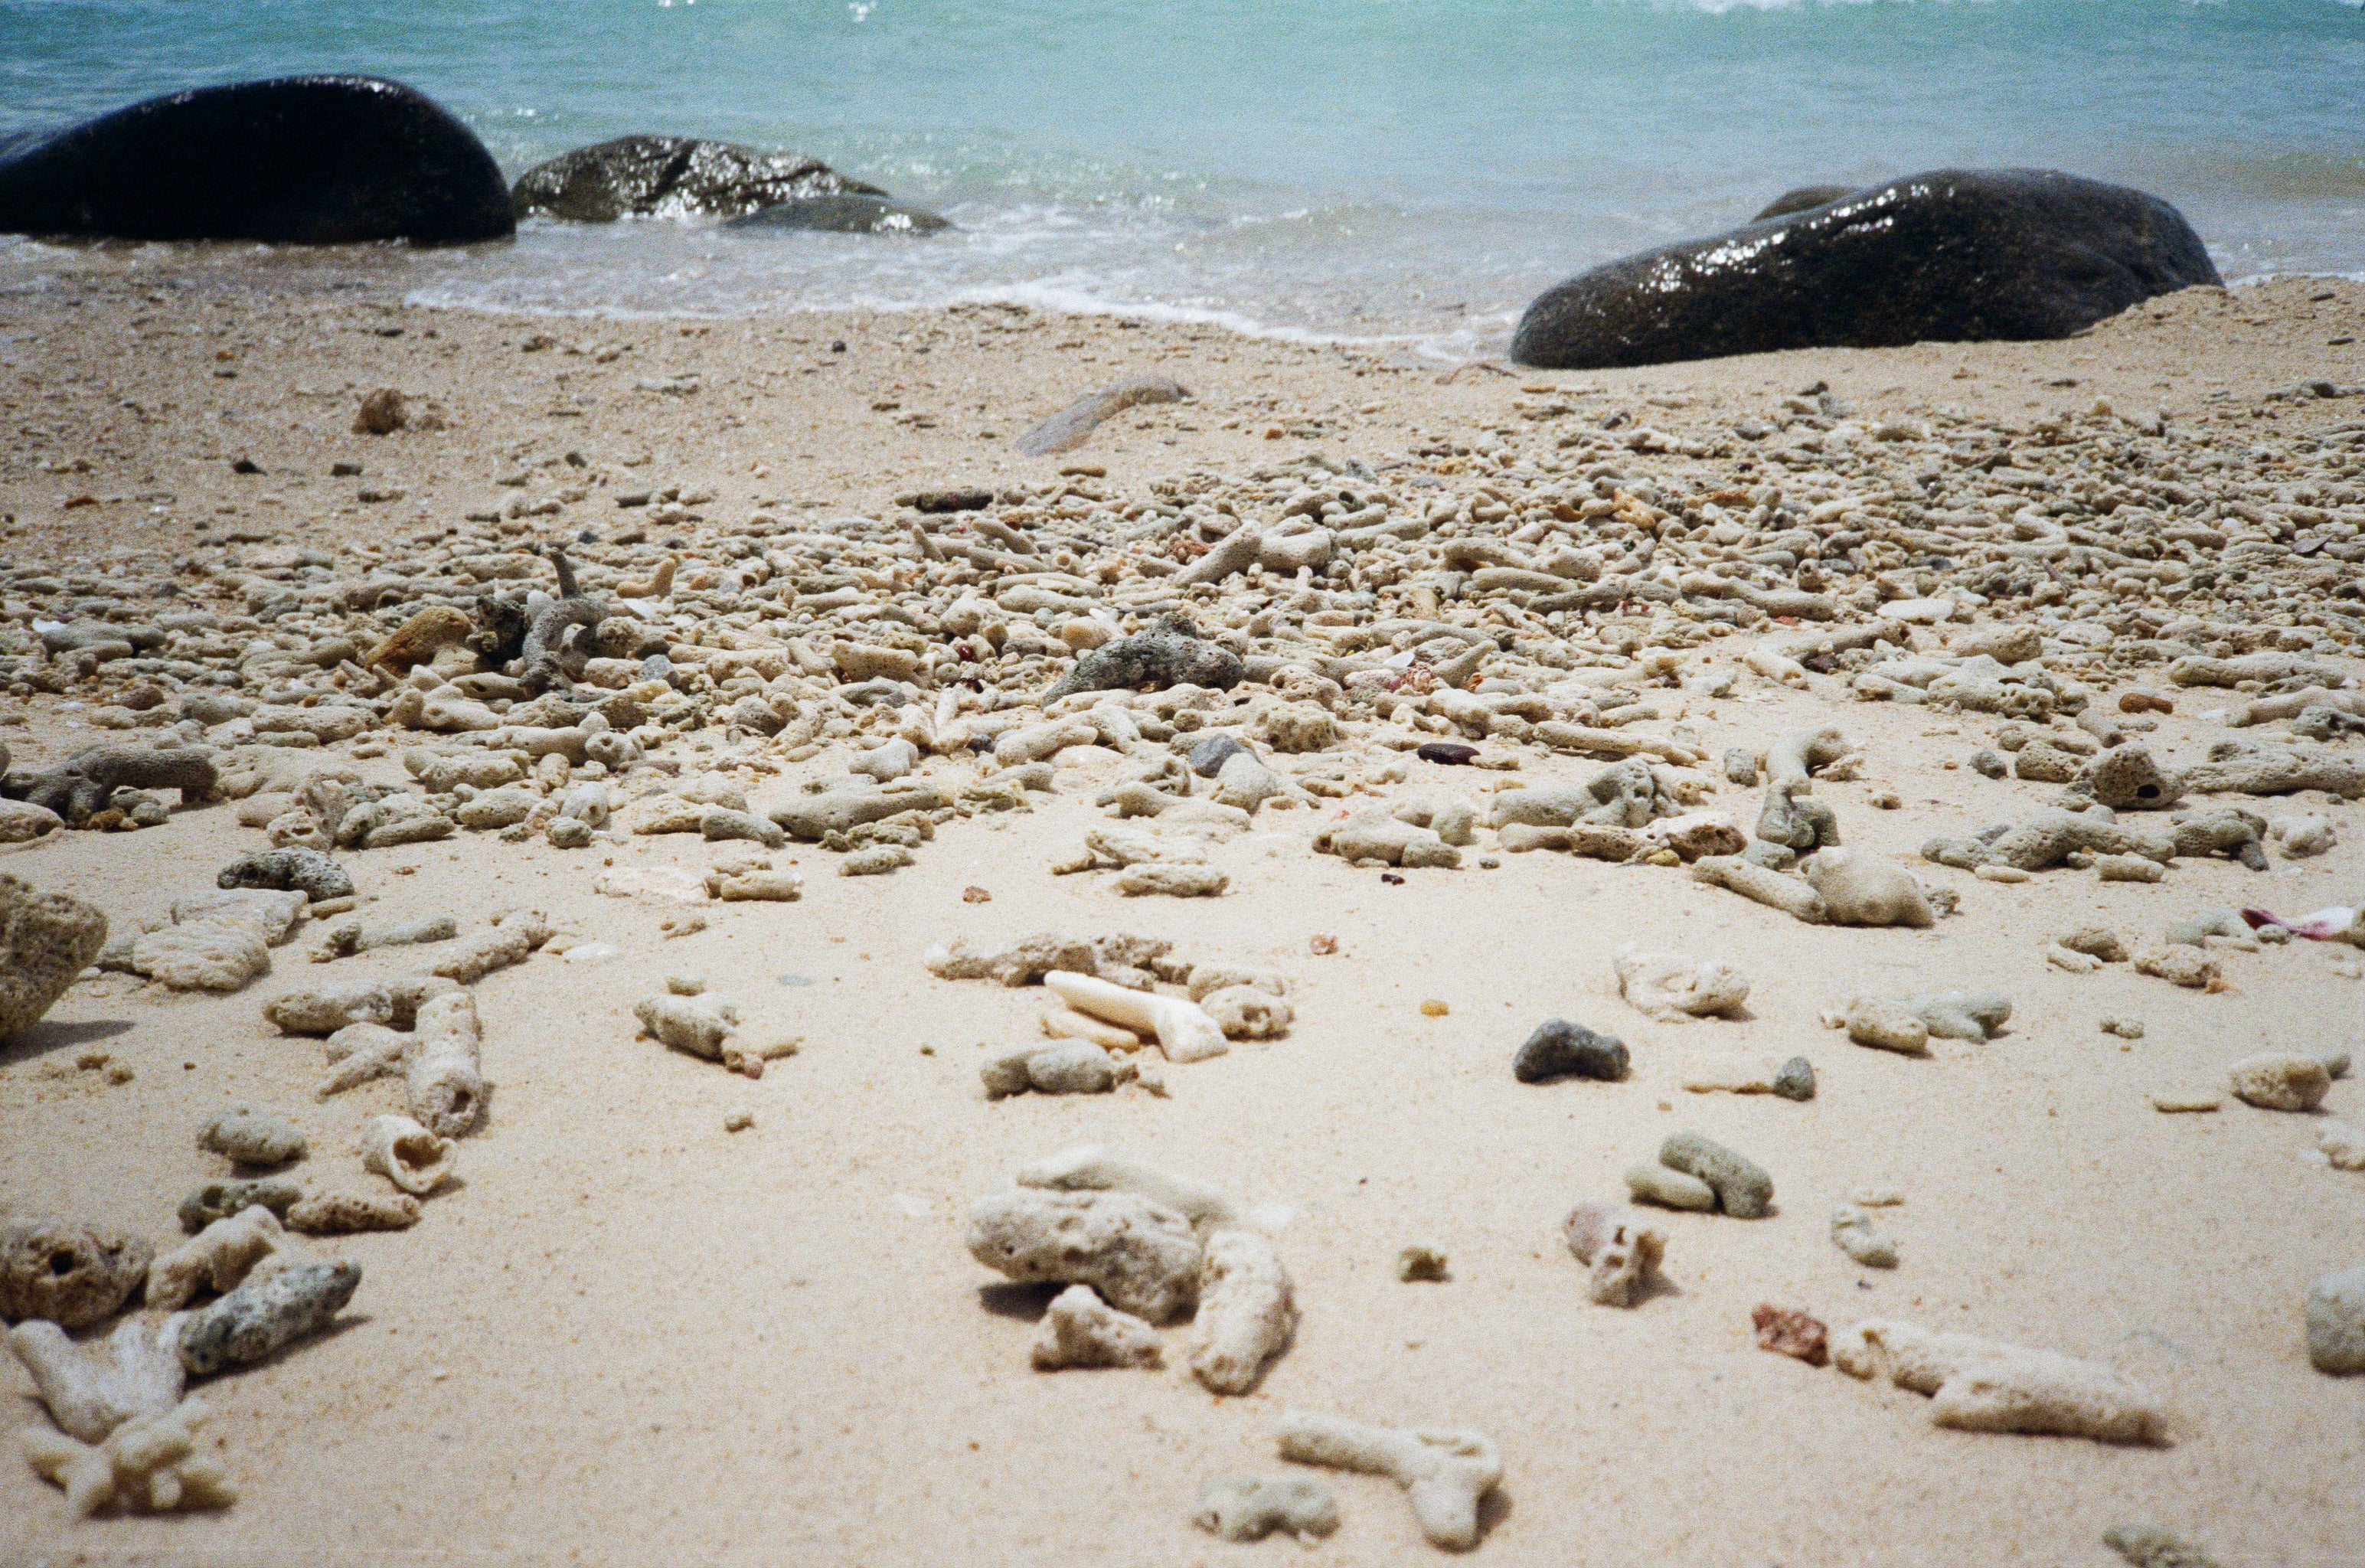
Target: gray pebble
(220,1200)
(1988,764)
(253,1138)
(1208,758)
(1797,1080)
(2336,1322)
(1560,1049)
(1670,1189)
(1743,1189)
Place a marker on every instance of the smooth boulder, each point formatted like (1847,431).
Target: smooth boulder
(298,160)
(1799,200)
(672,176)
(1955,255)
(846,214)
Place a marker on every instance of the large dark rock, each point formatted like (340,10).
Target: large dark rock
(301,159)
(1957,255)
(848,214)
(672,176)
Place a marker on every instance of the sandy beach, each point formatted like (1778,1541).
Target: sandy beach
(625,1335)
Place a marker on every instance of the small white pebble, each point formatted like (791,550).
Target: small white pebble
(738,1121)
(686,985)
(2001,874)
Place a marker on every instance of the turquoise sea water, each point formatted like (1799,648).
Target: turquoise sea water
(1412,170)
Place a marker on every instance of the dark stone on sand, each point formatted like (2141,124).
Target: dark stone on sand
(299,159)
(672,176)
(1208,758)
(1169,653)
(851,213)
(974,497)
(1452,754)
(1801,199)
(1562,1049)
(1954,255)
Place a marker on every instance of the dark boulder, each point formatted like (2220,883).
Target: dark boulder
(1957,255)
(672,176)
(300,160)
(1799,200)
(848,214)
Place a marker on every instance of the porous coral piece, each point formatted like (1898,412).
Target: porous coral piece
(2125,779)
(697,1026)
(1762,885)
(2187,967)
(1023,962)
(1246,1311)
(442,1076)
(1672,988)
(261,1316)
(248,1245)
(1249,1507)
(146,1465)
(2336,1322)
(420,639)
(1069,1067)
(1886,1024)
(306,871)
(1142,1256)
(248,1136)
(1620,1249)
(1444,1472)
(1962,1014)
(202,955)
(1167,653)
(1080,1330)
(1247,1012)
(346,1213)
(406,1154)
(1093,1168)
(1184,1031)
(2280,1080)
(1861,890)
(2148,1546)
(93,1388)
(1743,1188)
(511,939)
(81,787)
(71,1273)
(46,940)
(1985,1385)
(1854,1233)
(218,1200)
(1375,834)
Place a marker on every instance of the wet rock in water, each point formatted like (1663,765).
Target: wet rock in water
(1955,255)
(1803,199)
(46,940)
(1559,1048)
(1743,1188)
(1444,1472)
(1170,653)
(298,160)
(2336,1322)
(1789,1332)
(257,1318)
(70,1273)
(667,176)
(1073,425)
(1249,1507)
(846,213)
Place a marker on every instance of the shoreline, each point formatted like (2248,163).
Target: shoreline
(631,1334)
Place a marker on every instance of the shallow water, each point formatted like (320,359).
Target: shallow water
(1377,169)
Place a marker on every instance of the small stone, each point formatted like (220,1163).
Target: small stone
(1433,1008)
(1322,944)
(2147,1545)
(2186,1099)
(1988,764)
(1743,1188)
(1797,1080)
(1853,1233)
(253,1138)
(1789,1332)
(1669,1189)
(2336,1322)
(1559,1048)
(2128,869)
(2280,1080)
(976,895)
(2125,1028)
(738,1121)
(1420,1264)
(2005,873)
